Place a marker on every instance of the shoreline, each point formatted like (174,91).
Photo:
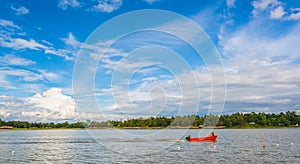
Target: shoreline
(144,128)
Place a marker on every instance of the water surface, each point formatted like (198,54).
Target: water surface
(137,146)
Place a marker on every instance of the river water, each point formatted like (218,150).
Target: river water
(150,146)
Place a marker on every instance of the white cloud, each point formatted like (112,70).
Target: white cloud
(295,9)
(250,87)
(262,5)
(230,3)
(15,60)
(275,10)
(5,101)
(24,74)
(12,78)
(72,41)
(95,53)
(7,24)
(71,50)
(19,43)
(158,94)
(64,53)
(5,84)
(277,13)
(8,40)
(64,4)
(151,1)
(271,87)
(261,69)
(51,105)
(294,16)
(4,113)
(262,48)
(49,76)
(54,104)
(20,10)
(107,6)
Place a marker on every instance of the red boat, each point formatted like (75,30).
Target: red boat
(202,139)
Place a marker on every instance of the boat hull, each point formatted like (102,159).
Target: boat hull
(203,139)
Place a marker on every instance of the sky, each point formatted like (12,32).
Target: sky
(114,60)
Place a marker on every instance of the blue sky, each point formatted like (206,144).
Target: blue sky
(147,73)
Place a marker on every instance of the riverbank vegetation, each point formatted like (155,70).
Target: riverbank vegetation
(235,120)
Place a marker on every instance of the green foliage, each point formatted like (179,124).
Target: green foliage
(26,124)
(235,120)
(260,119)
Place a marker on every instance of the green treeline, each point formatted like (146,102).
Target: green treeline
(260,119)
(26,124)
(236,120)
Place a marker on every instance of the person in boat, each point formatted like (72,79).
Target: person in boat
(188,137)
(212,134)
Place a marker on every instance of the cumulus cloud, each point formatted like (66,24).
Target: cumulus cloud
(277,13)
(64,4)
(107,6)
(275,10)
(21,10)
(295,14)
(51,105)
(262,6)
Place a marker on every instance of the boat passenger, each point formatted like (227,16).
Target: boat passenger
(212,134)
(188,137)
